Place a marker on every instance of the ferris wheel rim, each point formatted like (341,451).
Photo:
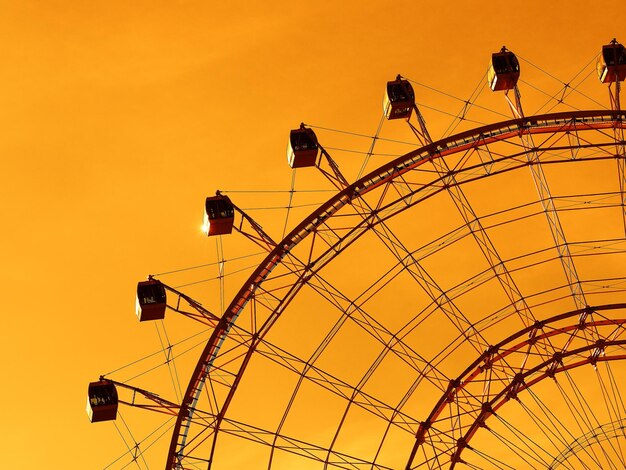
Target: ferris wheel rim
(546,123)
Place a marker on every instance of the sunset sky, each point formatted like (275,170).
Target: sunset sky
(119,118)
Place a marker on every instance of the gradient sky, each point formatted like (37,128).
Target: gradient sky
(118,118)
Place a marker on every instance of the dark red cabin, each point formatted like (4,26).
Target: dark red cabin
(151,300)
(303,148)
(219,215)
(399,100)
(101,401)
(504,70)
(612,63)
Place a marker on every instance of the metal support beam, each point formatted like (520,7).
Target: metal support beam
(201,314)
(420,132)
(614,95)
(250,229)
(330,170)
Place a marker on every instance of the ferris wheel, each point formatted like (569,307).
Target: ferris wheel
(461,306)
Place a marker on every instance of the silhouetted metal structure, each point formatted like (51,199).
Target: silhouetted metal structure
(473,378)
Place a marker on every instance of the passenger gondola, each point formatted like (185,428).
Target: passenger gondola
(504,70)
(101,401)
(219,215)
(612,63)
(303,148)
(399,100)
(151,300)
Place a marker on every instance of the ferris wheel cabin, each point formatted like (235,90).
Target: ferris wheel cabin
(151,300)
(399,100)
(504,70)
(303,148)
(219,215)
(101,401)
(612,63)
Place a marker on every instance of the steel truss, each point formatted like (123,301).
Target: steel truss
(369,206)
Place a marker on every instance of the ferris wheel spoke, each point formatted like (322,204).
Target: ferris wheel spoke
(488,458)
(613,413)
(600,246)
(550,425)
(370,151)
(612,407)
(576,408)
(521,443)
(308,371)
(467,105)
(586,419)
(486,245)
(617,396)
(529,450)
(353,396)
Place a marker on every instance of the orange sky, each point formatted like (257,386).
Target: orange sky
(119,118)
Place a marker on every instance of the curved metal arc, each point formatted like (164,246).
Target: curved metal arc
(475,367)
(486,134)
(518,384)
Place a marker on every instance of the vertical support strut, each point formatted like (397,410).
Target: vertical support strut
(516,106)
(421,133)
(334,175)
(614,94)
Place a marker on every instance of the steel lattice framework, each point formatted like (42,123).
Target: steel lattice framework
(500,354)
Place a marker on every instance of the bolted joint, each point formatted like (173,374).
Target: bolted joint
(420,435)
